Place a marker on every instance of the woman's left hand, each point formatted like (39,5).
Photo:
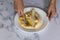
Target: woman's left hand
(51,11)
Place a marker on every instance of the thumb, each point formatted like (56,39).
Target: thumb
(22,13)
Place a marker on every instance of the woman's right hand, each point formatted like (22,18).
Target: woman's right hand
(19,7)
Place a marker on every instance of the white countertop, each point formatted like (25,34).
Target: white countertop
(8,30)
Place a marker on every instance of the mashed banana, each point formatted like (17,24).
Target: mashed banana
(32,24)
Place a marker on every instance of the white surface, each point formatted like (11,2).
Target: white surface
(7,32)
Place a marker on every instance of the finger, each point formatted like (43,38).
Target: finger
(19,13)
(22,13)
(55,13)
(49,12)
(15,8)
(51,16)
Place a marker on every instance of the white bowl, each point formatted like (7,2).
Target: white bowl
(40,12)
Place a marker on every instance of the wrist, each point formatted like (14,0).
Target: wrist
(52,3)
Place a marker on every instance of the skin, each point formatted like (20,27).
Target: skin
(19,6)
(52,9)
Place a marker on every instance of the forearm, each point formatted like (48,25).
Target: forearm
(53,2)
(18,2)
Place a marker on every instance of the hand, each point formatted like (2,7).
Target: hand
(51,11)
(20,10)
(18,6)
